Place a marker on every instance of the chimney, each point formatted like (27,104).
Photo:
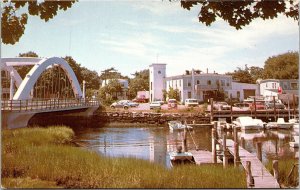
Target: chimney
(206,70)
(214,72)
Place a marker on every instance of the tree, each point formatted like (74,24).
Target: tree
(112,89)
(23,70)
(283,66)
(256,73)
(91,77)
(241,13)
(13,21)
(140,82)
(76,67)
(241,75)
(110,73)
(173,94)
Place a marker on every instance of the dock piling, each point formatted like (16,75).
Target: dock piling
(225,155)
(275,169)
(259,151)
(213,145)
(250,179)
(236,154)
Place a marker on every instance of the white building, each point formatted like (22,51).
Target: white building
(157,73)
(270,87)
(200,86)
(242,91)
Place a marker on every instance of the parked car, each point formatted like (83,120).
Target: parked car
(124,104)
(259,106)
(241,106)
(141,99)
(221,106)
(191,102)
(172,103)
(155,105)
(278,105)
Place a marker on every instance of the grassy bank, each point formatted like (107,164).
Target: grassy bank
(46,158)
(285,169)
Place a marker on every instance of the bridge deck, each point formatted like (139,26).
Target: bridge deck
(262,177)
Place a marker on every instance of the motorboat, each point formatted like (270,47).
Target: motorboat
(177,125)
(178,157)
(280,124)
(246,122)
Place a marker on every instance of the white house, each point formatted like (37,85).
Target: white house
(272,87)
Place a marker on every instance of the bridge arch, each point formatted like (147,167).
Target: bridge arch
(32,76)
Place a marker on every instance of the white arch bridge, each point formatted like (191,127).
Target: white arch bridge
(47,85)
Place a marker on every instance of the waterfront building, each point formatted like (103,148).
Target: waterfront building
(274,87)
(157,74)
(197,85)
(241,91)
(200,86)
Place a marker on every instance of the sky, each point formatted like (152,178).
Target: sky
(131,35)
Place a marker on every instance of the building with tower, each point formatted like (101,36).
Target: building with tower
(157,75)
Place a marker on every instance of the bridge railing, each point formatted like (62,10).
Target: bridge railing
(46,104)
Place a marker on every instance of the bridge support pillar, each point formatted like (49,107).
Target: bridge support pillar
(12,120)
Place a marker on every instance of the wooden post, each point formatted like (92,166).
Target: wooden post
(213,145)
(184,145)
(235,136)
(274,108)
(254,107)
(236,154)
(231,108)
(211,109)
(225,158)
(259,152)
(294,106)
(275,169)
(242,142)
(250,179)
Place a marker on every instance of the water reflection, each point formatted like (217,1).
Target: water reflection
(154,143)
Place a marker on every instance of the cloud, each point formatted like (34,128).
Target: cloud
(157,7)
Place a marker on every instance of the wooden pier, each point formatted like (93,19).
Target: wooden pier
(203,157)
(262,177)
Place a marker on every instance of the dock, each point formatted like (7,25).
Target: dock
(262,177)
(203,157)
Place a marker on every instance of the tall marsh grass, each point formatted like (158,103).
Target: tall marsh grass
(285,169)
(38,157)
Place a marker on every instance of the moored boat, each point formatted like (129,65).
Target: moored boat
(177,125)
(246,122)
(178,157)
(280,124)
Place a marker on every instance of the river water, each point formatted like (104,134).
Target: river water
(153,143)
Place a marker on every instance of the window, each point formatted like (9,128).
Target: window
(159,72)
(198,82)
(294,86)
(189,83)
(208,82)
(151,86)
(189,95)
(238,94)
(227,84)
(222,82)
